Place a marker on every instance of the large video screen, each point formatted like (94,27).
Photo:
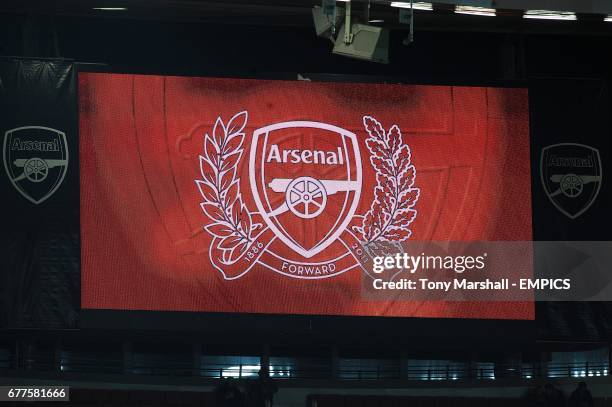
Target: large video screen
(255,196)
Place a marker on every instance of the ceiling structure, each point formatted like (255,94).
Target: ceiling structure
(578,6)
(444,16)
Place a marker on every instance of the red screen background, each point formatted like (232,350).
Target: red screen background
(142,240)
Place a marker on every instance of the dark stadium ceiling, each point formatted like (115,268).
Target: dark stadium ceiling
(593,16)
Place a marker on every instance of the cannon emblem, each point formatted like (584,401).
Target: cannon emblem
(571,175)
(35,160)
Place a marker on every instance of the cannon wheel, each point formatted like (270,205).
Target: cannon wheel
(306,197)
(36,169)
(571,185)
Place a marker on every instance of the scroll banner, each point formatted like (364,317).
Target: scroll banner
(256,196)
(39,274)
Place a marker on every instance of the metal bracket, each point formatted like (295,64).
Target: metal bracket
(348,35)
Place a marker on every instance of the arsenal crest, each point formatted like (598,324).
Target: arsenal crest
(305,174)
(305,179)
(571,176)
(35,160)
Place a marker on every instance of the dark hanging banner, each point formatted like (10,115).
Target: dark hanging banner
(571,156)
(571,160)
(39,190)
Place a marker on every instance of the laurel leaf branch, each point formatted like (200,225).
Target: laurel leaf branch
(219,187)
(395,196)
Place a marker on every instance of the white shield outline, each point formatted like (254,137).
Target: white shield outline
(544,186)
(351,212)
(8,171)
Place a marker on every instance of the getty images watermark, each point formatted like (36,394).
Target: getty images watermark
(488,271)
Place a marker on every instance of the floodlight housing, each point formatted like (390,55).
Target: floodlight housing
(369,43)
